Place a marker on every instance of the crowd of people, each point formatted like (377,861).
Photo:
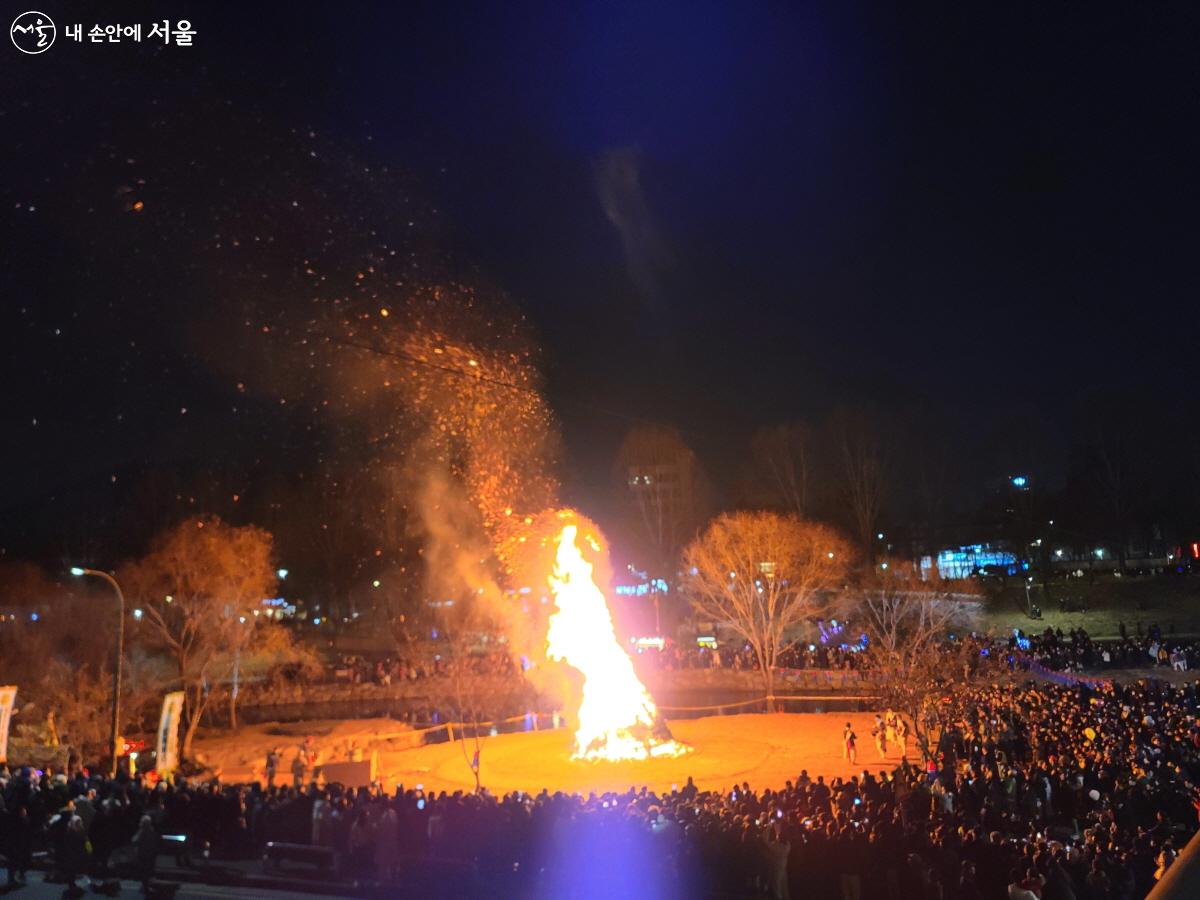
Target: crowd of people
(1076,651)
(735,657)
(389,670)
(1072,651)
(837,647)
(1047,791)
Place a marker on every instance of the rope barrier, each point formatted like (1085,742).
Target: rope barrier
(448,727)
(781,697)
(715,706)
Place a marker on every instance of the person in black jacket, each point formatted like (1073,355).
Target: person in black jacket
(18,843)
(73,855)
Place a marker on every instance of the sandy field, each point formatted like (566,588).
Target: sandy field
(762,749)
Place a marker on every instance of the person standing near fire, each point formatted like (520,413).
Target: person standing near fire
(889,724)
(849,745)
(272,766)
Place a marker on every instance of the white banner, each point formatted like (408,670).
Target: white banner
(167,757)
(8,699)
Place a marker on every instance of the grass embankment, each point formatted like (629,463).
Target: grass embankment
(1099,606)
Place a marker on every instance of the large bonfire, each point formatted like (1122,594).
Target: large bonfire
(470,374)
(616,718)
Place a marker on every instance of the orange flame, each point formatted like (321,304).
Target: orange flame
(617,718)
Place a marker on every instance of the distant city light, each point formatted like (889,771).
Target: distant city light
(282,573)
(647,643)
(964,562)
(375,583)
(1100,553)
(1019,481)
(640,590)
(75,570)
(33,617)
(1058,553)
(137,614)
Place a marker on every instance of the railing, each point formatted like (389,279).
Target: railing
(435,733)
(1182,880)
(1066,679)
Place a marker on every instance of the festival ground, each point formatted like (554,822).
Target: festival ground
(763,749)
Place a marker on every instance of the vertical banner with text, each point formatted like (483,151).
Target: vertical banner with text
(8,699)
(167,757)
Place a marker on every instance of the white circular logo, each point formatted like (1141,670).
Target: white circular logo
(32,32)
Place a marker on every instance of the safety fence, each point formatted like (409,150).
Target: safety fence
(442,732)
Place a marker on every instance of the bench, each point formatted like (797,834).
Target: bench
(277,853)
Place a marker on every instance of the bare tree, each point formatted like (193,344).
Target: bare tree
(478,687)
(256,648)
(335,533)
(197,584)
(1115,478)
(908,652)
(65,672)
(665,489)
(781,459)
(865,461)
(762,573)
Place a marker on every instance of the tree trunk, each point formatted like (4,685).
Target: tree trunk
(769,684)
(189,734)
(478,756)
(196,711)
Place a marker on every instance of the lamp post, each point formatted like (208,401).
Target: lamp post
(116,690)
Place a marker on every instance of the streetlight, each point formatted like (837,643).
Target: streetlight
(116,690)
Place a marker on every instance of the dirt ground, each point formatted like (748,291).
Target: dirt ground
(763,749)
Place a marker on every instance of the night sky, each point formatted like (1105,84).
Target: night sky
(717,216)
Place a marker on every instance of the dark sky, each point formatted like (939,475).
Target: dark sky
(715,215)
